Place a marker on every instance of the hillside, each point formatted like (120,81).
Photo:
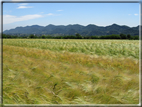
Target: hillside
(89,30)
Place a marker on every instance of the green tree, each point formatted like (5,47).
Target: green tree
(123,36)
(113,36)
(43,36)
(31,36)
(4,36)
(78,36)
(136,37)
(129,36)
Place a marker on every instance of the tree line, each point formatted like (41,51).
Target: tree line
(76,36)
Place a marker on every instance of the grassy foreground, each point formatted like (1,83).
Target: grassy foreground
(70,71)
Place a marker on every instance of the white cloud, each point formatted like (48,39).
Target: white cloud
(59,10)
(135,14)
(7,19)
(50,14)
(22,7)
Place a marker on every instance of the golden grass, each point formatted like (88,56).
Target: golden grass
(39,76)
(118,48)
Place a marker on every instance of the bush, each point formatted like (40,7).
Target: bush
(123,36)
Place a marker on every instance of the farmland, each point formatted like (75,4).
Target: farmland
(51,71)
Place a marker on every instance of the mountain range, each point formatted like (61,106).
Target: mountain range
(89,30)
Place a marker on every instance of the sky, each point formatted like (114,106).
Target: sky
(43,14)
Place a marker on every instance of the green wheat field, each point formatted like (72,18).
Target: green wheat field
(52,71)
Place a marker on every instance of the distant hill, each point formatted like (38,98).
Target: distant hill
(89,30)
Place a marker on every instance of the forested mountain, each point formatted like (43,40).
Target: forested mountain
(89,30)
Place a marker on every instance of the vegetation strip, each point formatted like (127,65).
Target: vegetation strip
(112,48)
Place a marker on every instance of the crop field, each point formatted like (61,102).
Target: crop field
(52,71)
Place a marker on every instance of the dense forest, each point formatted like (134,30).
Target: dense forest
(76,36)
(89,30)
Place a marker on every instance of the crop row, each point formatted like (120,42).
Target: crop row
(124,48)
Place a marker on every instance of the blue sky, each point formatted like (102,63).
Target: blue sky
(43,14)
